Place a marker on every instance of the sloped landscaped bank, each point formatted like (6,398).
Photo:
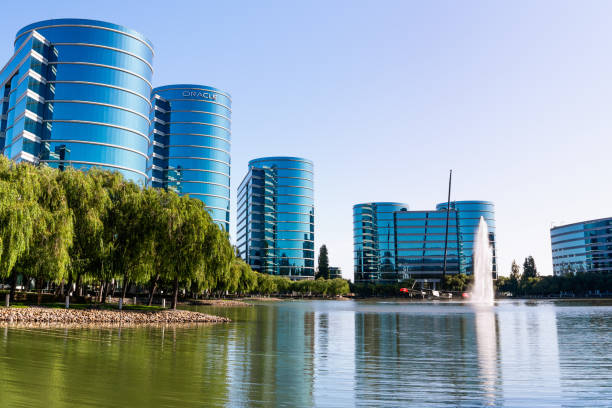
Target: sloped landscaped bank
(88,316)
(219,303)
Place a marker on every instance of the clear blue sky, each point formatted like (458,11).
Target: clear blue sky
(385,97)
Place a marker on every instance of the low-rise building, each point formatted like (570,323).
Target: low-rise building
(582,247)
(335,272)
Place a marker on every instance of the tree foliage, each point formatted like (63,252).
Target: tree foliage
(323,263)
(571,283)
(578,284)
(96,231)
(458,282)
(529,268)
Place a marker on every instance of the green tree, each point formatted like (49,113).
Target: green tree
(247,283)
(47,257)
(180,237)
(457,282)
(515,278)
(17,219)
(320,286)
(190,247)
(338,287)
(323,265)
(127,241)
(283,284)
(88,201)
(265,284)
(231,283)
(529,268)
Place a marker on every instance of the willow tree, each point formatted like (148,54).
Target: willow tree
(229,284)
(88,201)
(180,236)
(247,278)
(219,255)
(266,284)
(47,257)
(189,246)
(17,220)
(126,238)
(19,210)
(153,205)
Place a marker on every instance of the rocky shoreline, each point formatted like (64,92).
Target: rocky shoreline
(220,303)
(89,316)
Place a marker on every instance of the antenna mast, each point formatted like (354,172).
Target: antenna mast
(450,178)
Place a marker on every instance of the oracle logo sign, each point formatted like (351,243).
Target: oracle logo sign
(201,94)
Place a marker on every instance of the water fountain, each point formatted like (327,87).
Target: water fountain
(482,291)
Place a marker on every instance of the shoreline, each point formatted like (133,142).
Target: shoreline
(216,303)
(40,314)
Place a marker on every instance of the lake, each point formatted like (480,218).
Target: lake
(325,354)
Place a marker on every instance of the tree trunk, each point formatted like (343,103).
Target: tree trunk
(68,286)
(38,287)
(59,289)
(152,290)
(100,291)
(79,287)
(175,294)
(126,283)
(13,285)
(24,280)
(105,291)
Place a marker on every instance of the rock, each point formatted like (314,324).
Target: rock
(41,314)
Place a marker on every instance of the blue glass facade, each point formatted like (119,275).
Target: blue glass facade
(190,145)
(582,247)
(374,241)
(76,92)
(275,232)
(410,244)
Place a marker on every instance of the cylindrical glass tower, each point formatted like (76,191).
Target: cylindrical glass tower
(467,214)
(190,149)
(275,231)
(374,238)
(95,90)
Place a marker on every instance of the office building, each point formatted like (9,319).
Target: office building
(76,92)
(190,145)
(335,272)
(582,247)
(275,231)
(397,244)
(374,241)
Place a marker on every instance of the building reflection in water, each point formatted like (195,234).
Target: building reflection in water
(457,355)
(276,358)
(334,358)
(529,355)
(417,357)
(356,354)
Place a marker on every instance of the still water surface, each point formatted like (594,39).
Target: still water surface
(324,354)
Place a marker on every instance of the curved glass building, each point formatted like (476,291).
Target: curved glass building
(190,145)
(466,217)
(374,241)
(582,247)
(76,92)
(275,232)
(394,244)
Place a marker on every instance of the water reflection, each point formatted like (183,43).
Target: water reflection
(486,341)
(415,357)
(324,354)
(529,355)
